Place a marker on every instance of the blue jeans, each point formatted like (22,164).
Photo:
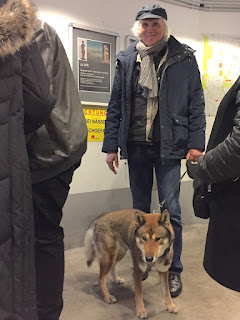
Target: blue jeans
(142,158)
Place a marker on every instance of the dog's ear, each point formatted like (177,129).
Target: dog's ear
(139,217)
(164,218)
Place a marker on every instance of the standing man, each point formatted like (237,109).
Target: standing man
(55,151)
(156,117)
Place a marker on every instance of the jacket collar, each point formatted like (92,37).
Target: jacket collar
(175,47)
(130,50)
(18,22)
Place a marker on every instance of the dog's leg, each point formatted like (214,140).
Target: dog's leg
(105,266)
(120,255)
(114,275)
(140,309)
(168,300)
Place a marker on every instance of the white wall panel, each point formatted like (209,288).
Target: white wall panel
(187,25)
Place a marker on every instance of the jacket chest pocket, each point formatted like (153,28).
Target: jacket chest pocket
(180,130)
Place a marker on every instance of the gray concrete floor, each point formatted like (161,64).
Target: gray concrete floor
(202,298)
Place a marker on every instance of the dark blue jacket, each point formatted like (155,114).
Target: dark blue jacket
(181,101)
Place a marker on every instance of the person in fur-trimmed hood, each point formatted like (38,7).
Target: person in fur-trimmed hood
(25,104)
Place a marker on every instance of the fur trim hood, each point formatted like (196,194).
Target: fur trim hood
(18,22)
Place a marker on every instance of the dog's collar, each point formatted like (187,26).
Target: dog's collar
(166,252)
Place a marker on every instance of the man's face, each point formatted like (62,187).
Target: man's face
(151,31)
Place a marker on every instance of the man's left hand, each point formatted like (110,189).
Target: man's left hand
(194,154)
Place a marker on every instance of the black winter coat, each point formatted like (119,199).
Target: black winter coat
(24,86)
(182,117)
(61,142)
(221,168)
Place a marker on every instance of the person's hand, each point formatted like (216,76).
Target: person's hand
(193,155)
(112,158)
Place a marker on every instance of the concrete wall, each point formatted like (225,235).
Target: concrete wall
(95,189)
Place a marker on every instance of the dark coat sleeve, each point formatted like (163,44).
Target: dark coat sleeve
(196,109)
(223,162)
(37,98)
(110,143)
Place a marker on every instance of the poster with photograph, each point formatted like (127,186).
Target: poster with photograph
(94,60)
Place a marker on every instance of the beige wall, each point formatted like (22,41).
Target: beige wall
(186,24)
(94,188)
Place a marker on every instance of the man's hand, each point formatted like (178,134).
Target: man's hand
(194,154)
(111,158)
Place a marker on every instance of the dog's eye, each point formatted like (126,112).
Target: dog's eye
(144,238)
(157,239)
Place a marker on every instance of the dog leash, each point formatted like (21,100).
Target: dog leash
(161,204)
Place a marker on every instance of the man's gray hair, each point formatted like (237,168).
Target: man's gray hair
(136,29)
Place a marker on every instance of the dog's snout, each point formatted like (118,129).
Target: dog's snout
(149,258)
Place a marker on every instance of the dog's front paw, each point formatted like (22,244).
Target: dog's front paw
(142,313)
(119,280)
(172,308)
(110,299)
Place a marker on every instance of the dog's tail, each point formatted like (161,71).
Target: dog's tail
(88,245)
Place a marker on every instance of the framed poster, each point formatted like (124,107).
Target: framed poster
(129,40)
(93,63)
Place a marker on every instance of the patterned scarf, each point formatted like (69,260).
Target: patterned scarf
(148,75)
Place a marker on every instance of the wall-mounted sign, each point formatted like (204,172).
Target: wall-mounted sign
(94,65)
(130,40)
(221,68)
(95,119)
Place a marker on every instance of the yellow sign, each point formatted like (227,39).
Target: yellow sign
(95,119)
